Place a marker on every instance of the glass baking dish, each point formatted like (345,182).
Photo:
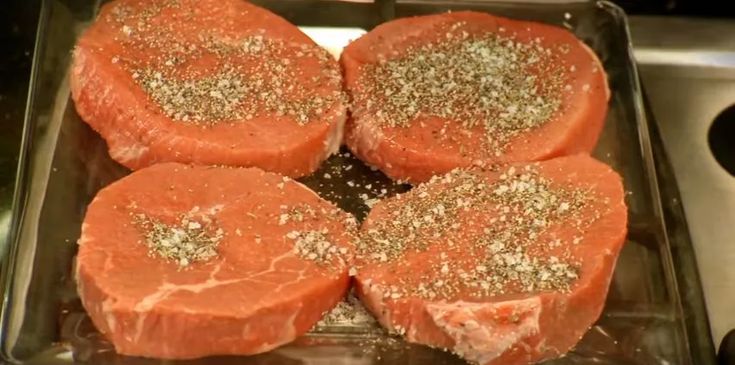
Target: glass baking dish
(64,163)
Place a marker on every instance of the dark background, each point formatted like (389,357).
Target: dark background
(708,8)
(17,34)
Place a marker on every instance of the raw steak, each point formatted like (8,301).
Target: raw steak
(210,82)
(500,267)
(183,262)
(431,93)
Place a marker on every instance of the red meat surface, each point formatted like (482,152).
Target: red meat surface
(209,82)
(500,267)
(431,93)
(268,283)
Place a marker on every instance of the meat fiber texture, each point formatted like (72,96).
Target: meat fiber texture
(281,261)
(500,267)
(214,82)
(436,92)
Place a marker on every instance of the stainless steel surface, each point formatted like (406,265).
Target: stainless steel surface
(64,163)
(687,68)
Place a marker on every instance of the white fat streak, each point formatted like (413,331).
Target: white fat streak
(246,331)
(164,291)
(107,311)
(288,335)
(291,332)
(80,284)
(130,152)
(139,322)
(374,295)
(167,289)
(107,265)
(369,134)
(306,188)
(484,341)
(334,138)
(84,237)
(266,346)
(122,147)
